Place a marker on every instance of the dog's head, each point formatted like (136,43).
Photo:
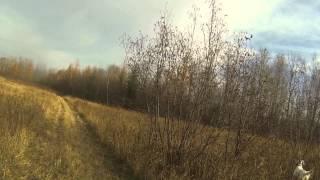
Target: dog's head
(300,163)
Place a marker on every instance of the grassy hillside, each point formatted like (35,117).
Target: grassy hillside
(263,158)
(45,136)
(41,138)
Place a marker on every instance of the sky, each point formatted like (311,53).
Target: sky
(61,32)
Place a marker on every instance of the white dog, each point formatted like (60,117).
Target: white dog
(301,174)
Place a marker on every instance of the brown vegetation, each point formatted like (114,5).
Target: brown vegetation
(127,133)
(40,138)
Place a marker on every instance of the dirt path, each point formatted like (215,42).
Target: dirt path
(110,162)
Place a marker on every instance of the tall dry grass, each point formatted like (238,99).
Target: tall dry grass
(261,158)
(40,138)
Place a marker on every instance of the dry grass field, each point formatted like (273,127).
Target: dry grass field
(125,131)
(45,136)
(41,138)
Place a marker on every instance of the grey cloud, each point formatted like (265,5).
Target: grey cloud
(294,26)
(286,42)
(299,8)
(84,29)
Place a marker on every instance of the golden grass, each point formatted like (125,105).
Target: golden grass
(41,138)
(263,158)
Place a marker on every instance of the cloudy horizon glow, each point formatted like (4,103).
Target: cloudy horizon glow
(64,31)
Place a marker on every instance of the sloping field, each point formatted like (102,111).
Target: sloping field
(42,138)
(45,136)
(262,158)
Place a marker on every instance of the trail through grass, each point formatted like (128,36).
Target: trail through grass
(264,158)
(41,137)
(45,136)
(111,161)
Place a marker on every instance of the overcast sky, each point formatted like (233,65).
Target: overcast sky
(58,32)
